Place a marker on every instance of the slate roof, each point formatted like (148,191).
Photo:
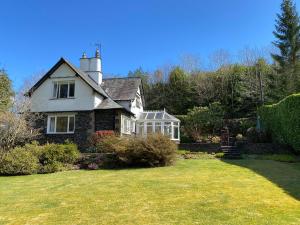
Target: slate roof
(120,89)
(108,103)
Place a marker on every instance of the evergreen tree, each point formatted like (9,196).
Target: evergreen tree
(179,93)
(6,92)
(287,33)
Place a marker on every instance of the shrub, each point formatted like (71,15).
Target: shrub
(99,160)
(219,155)
(203,120)
(155,150)
(282,121)
(254,136)
(215,140)
(18,162)
(33,158)
(57,157)
(66,153)
(99,135)
(240,125)
(52,167)
(239,137)
(111,144)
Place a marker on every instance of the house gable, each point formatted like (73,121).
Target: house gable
(78,73)
(85,98)
(63,71)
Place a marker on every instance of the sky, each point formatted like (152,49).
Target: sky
(133,33)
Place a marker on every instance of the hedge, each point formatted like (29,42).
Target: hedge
(282,121)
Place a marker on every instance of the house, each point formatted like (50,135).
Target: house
(76,102)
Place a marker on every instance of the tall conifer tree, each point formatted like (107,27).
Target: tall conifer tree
(287,33)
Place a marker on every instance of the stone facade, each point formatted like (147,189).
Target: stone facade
(84,127)
(86,123)
(105,119)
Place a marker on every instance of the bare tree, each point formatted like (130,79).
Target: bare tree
(249,56)
(190,63)
(220,58)
(17,126)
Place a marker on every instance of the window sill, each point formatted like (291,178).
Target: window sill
(62,98)
(61,133)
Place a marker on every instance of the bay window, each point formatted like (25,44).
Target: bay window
(61,124)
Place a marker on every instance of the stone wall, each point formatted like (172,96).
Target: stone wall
(84,127)
(200,147)
(105,119)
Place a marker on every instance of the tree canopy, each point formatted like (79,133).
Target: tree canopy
(6,92)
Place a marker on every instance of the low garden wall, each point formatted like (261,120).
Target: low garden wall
(200,147)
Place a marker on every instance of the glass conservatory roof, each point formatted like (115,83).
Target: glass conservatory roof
(156,115)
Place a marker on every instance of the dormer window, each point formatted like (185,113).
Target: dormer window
(64,89)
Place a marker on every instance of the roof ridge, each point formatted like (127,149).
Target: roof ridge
(113,78)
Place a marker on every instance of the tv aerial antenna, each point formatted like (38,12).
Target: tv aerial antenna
(99,47)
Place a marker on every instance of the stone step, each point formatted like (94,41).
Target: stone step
(233,157)
(228,146)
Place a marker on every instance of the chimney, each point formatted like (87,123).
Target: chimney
(92,66)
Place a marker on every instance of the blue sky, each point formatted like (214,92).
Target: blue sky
(133,33)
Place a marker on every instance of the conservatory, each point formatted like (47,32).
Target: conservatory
(158,122)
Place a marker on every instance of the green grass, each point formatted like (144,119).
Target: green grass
(207,191)
(277,157)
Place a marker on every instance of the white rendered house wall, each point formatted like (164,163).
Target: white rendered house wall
(42,98)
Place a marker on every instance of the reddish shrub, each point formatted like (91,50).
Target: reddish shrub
(99,135)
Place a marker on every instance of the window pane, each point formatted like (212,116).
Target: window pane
(52,124)
(54,90)
(149,128)
(71,89)
(62,124)
(63,93)
(159,115)
(124,125)
(150,116)
(133,126)
(176,132)
(128,125)
(140,128)
(71,123)
(166,116)
(167,129)
(157,127)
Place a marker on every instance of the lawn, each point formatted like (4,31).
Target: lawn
(207,191)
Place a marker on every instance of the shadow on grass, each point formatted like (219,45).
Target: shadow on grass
(284,175)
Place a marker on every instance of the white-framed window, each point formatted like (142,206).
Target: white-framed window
(149,128)
(126,125)
(133,126)
(140,128)
(175,130)
(168,129)
(61,124)
(157,127)
(63,89)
